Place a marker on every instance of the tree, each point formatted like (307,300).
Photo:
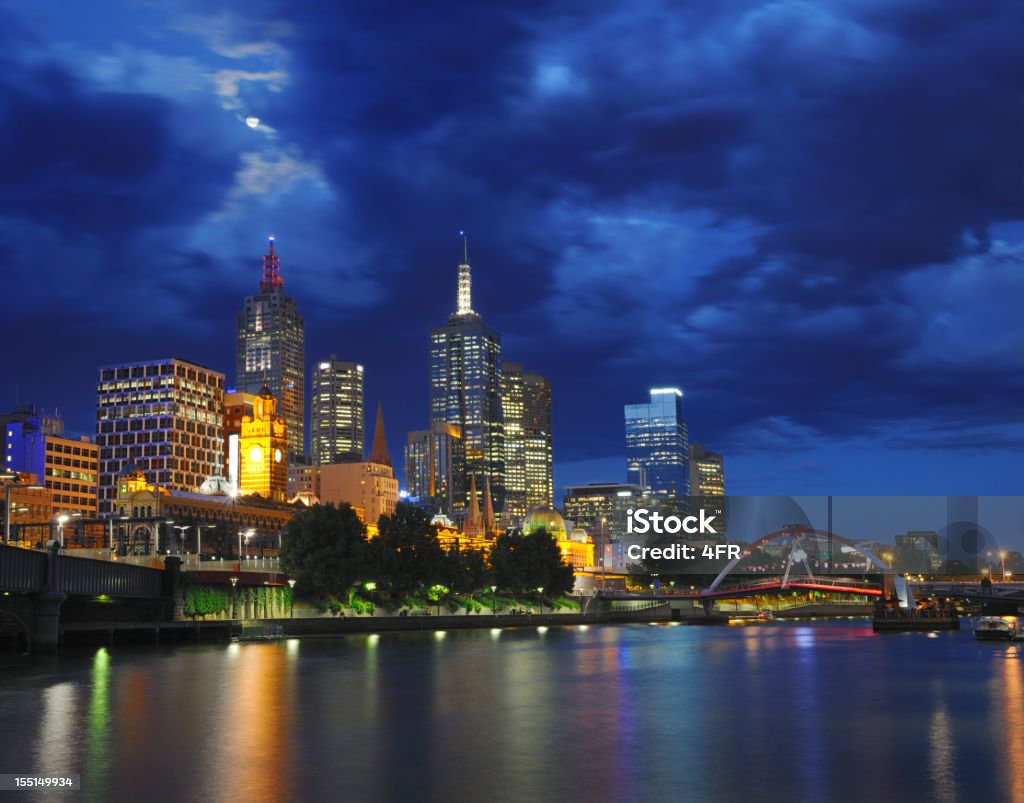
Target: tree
(325,549)
(466,572)
(406,555)
(528,562)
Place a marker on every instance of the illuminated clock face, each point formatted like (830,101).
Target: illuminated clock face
(256,454)
(278,456)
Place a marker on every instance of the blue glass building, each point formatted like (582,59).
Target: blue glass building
(657,444)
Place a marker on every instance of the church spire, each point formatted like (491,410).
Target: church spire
(489,523)
(464,304)
(271,270)
(472,524)
(379,453)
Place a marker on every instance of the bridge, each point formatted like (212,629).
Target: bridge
(37,585)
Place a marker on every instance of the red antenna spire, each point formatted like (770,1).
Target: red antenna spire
(271,270)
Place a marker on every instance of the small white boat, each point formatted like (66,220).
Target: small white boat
(992,628)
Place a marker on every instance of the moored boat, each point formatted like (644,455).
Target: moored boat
(992,628)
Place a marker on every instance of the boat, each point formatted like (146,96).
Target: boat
(992,628)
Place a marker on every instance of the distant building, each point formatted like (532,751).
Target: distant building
(600,508)
(918,551)
(526,403)
(146,512)
(434,468)
(32,511)
(301,477)
(257,445)
(34,443)
(370,485)
(271,338)
(707,472)
(465,389)
(657,445)
(336,412)
(165,417)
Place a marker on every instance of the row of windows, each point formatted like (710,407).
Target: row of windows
(64,448)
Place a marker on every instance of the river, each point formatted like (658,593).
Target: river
(781,711)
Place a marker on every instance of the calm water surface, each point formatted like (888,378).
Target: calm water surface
(781,711)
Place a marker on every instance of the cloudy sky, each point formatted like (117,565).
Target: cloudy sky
(809,215)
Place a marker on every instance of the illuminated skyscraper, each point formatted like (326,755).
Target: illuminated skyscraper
(434,458)
(271,350)
(707,472)
(465,389)
(166,417)
(336,412)
(526,404)
(657,445)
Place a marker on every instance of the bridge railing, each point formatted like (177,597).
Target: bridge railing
(74,575)
(21,569)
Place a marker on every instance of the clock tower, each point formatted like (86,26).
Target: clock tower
(262,448)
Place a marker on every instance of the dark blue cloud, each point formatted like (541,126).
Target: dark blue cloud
(791,209)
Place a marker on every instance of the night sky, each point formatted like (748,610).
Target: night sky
(808,215)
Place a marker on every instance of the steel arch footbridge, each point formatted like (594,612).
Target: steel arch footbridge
(800,536)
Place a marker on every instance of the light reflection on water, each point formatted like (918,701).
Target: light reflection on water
(781,711)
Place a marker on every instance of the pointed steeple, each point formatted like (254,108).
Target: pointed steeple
(271,270)
(379,453)
(464,301)
(472,525)
(489,523)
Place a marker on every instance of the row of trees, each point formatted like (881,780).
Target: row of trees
(325,548)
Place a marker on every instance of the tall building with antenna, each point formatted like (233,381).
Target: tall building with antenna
(465,390)
(271,350)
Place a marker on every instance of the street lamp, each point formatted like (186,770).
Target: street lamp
(62,519)
(182,528)
(248,534)
(540,591)
(199,539)
(494,602)
(371,587)
(234,598)
(291,598)
(1002,561)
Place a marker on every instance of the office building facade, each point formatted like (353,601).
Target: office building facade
(271,350)
(34,443)
(434,466)
(465,390)
(526,403)
(165,417)
(336,412)
(657,444)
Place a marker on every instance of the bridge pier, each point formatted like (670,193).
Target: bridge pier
(46,620)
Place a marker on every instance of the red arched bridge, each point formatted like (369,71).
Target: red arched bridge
(797,572)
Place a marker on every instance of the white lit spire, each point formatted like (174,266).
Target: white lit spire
(464,301)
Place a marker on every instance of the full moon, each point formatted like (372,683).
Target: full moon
(252,122)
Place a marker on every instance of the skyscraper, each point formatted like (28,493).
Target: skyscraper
(657,445)
(707,472)
(271,350)
(465,389)
(164,416)
(336,412)
(434,458)
(526,404)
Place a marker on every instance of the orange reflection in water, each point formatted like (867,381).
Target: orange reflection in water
(252,760)
(1012,703)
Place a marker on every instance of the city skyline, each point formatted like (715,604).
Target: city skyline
(828,273)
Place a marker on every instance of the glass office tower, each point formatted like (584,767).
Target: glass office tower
(271,349)
(657,445)
(465,391)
